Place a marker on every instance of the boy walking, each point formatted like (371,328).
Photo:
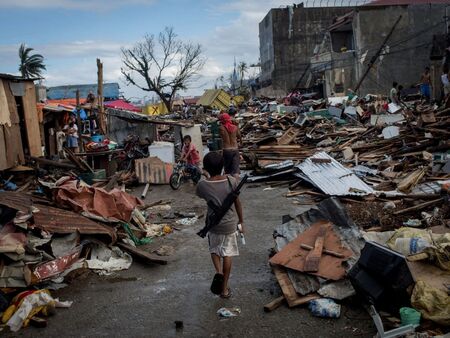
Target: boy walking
(223,237)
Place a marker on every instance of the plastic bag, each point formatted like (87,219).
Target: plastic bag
(325,308)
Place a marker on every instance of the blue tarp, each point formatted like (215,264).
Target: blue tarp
(110,91)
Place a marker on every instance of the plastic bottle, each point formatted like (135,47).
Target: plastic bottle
(241,234)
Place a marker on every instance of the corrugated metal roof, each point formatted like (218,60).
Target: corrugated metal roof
(16,200)
(215,98)
(405,2)
(62,221)
(332,177)
(110,91)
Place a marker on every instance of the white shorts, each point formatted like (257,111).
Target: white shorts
(223,245)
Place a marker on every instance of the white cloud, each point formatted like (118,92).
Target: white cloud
(74,62)
(73,4)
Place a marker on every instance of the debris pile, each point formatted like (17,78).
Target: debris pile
(379,175)
(67,225)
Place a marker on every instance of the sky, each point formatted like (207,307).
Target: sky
(71,34)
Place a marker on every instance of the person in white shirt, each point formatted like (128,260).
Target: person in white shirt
(71,131)
(393,94)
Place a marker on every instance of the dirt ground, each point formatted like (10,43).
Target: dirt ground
(145,301)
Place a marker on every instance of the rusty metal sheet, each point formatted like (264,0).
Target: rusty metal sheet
(292,256)
(16,200)
(62,221)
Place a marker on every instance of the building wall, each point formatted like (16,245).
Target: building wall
(408,48)
(294,34)
(266,49)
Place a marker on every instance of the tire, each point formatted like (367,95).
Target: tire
(175,181)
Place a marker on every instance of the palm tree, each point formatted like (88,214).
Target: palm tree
(31,65)
(242,68)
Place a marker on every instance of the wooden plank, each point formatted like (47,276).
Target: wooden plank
(289,136)
(291,296)
(418,207)
(275,304)
(13,138)
(285,284)
(3,160)
(312,260)
(143,255)
(31,120)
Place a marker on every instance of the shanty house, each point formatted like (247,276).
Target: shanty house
(20,132)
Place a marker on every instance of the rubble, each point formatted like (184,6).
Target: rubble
(387,164)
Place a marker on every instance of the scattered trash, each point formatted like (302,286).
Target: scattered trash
(188,221)
(29,304)
(325,308)
(225,312)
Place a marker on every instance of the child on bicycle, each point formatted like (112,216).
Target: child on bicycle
(190,155)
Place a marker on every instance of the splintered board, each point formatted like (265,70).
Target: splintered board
(291,296)
(289,136)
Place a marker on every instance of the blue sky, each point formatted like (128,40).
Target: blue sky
(71,34)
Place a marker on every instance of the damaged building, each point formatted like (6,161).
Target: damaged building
(401,32)
(20,128)
(287,39)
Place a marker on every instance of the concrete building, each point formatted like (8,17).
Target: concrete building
(352,41)
(287,39)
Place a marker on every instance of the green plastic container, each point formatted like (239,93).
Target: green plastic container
(409,316)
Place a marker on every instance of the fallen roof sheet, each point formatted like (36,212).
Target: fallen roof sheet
(16,200)
(62,221)
(332,177)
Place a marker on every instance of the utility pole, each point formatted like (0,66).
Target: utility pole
(101,112)
(377,54)
(80,127)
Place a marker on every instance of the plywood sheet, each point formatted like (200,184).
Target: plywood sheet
(292,256)
(13,139)
(31,120)
(3,159)
(4,111)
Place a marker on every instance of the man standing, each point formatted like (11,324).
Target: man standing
(230,135)
(425,84)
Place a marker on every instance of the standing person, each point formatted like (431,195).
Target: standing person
(425,84)
(230,135)
(71,130)
(191,156)
(200,110)
(445,82)
(393,94)
(223,237)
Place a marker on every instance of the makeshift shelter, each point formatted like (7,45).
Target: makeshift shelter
(20,132)
(215,99)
